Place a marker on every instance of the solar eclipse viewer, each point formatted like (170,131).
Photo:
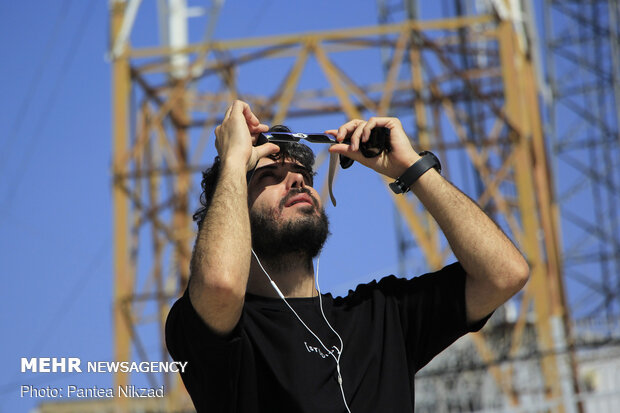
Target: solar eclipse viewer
(378,141)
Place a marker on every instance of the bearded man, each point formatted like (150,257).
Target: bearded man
(257,334)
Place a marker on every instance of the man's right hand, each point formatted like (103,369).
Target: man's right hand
(236,136)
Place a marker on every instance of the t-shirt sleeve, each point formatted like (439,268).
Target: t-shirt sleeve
(213,361)
(432,311)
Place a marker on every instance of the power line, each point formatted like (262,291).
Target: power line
(255,20)
(33,84)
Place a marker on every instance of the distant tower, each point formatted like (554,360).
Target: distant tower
(583,61)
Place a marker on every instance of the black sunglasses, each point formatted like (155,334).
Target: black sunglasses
(296,137)
(378,141)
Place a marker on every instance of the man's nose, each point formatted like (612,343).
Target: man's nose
(295,180)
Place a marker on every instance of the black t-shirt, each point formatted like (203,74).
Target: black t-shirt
(271,363)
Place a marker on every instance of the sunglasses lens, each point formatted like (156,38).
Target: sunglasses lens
(320,139)
(283,137)
(291,137)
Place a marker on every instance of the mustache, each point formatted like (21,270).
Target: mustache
(296,191)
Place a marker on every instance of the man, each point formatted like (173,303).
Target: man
(255,332)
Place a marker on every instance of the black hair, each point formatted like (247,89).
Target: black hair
(292,151)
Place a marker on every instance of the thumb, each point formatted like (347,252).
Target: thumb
(344,149)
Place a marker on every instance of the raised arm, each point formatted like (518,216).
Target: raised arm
(495,268)
(221,260)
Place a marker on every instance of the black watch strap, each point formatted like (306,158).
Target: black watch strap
(427,161)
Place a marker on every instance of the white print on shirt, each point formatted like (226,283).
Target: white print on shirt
(312,349)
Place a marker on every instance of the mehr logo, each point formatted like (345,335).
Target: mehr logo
(51,365)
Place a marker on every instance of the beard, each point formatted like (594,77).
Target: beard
(301,237)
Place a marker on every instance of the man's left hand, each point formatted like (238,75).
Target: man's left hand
(392,164)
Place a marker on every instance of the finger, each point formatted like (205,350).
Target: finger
(229,111)
(256,129)
(266,150)
(390,123)
(346,150)
(346,129)
(250,117)
(383,120)
(342,133)
(255,132)
(372,122)
(239,107)
(332,132)
(218,142)
(355,137)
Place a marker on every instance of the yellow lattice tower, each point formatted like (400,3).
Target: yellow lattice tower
(154,170)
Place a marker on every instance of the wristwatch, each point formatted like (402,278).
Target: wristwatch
(427,161)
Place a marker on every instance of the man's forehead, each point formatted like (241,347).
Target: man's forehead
(278,162)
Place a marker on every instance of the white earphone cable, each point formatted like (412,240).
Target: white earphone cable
(318,287)
(330,352)
(274,285)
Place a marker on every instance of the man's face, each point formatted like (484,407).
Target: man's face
(286,212)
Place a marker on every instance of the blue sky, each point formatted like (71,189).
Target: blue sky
(55,191)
